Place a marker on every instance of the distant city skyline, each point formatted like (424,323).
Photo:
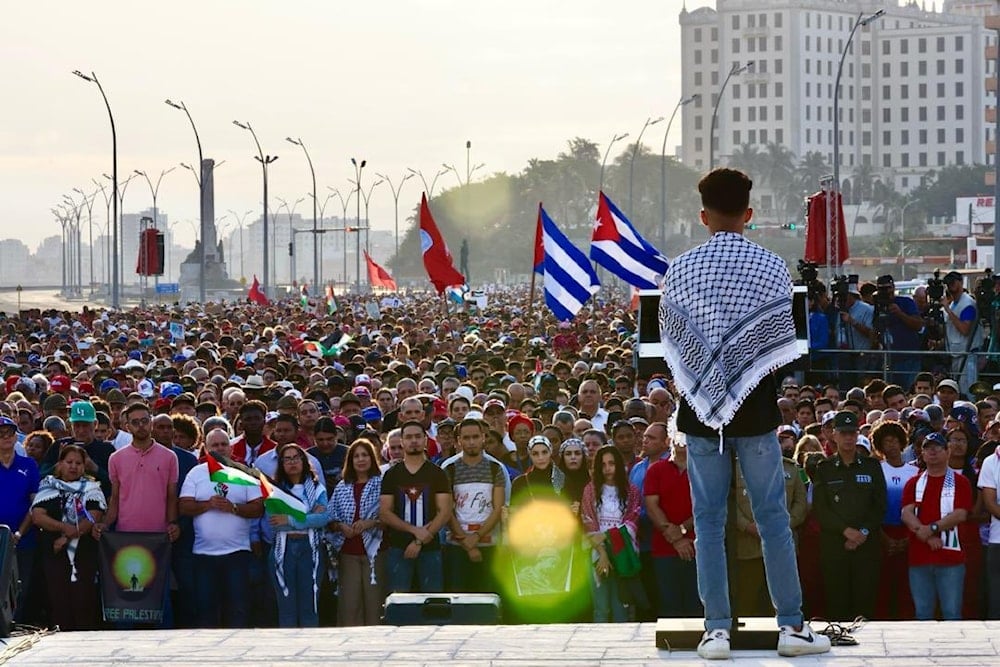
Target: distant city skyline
(400,84)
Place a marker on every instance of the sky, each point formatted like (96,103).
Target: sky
(397,83)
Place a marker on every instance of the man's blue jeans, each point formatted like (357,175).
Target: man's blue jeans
(427,566)
(222,583)
(298,608)
(930,584)
(710,473)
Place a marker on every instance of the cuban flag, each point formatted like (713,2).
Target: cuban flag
(619,248)
(568,276)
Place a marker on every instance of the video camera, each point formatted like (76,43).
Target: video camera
(840,288)
(934,317)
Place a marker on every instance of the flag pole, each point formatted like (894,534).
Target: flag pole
(534,252)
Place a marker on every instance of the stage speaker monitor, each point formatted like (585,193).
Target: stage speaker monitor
(648,351)
(442,609)
(750,634)
(10,584)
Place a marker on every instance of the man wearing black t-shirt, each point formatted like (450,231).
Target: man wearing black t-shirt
(415,505)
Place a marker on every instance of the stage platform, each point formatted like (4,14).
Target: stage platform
(896,644)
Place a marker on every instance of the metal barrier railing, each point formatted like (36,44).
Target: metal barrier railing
(841,364)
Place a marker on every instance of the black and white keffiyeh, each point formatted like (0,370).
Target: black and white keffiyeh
(725,322)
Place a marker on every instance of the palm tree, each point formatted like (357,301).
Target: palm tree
(746,157)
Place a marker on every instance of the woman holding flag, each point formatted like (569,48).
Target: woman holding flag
(296,510)
(64,509)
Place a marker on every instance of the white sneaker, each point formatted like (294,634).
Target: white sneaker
(714,645)
(802,642)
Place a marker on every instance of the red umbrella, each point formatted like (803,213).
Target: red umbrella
(821,247)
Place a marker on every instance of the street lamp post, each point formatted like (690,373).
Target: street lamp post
(154,191)
(428,189)
(264,161)
(343,218)
(75,249)
(367,197)
(663,166)
(615,139)
(89,200)
(357,255)
(118,239)
(240,220)
(631,163)
(202,278)
(61,219)
(106,262)
(291,236)
(832,226)
(735,69)
(298,142)
(396,189)
(115,294)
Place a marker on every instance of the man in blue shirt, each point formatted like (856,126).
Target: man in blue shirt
(18,485)
(655,446)
(902,330)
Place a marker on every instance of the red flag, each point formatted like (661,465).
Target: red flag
(817,230)
(256,295)
(539,244)
(377,276)
(437,260)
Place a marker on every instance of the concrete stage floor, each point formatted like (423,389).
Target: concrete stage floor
(896,644)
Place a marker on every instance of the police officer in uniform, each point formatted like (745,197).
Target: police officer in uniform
(850,499)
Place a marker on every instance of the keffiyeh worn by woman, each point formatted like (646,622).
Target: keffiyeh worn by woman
(313,494)
(74,497)
(720,337)
(342,510)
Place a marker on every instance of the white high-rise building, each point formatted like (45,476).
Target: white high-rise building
(912,96)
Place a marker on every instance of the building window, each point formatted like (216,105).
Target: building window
(762,66)
(922,114)
(959,112)
(904,68)
(866,138)
(751,20)
(779,112)
(697,78)
(698,144)
(779,89)
(866,93)
(922,159)
(959,89)
(904,46)
(866,71)
(959,43)
(922,137)
(904,92)
(779,136)
(697,57)
(777,66)
(940,44)
(959,157)
(736,91)
(886,159)
(715,78)
(904,137)
(736,114)
(715,34)
(905,179)
(697,35)
(736,137)
(866,48)
(886,138)
(762,90)
(753,136)
(697,122)
(959,135)
(751,91)
(736,45)
(778,43)
(940,135)
(777,19)
(905,157)
(922,91)
(886,69)
(751,44)
(886,92)
(752,114)
(887,115)
(715,56)
(886,47)
(940,67)
(736,21)
(904,114)
(763,136)
(940,90)
(940,158)
(922,68)
(808,63)
(922,45)
(866,116)
(762,43)
(808,109)
(940,113)
(808,136)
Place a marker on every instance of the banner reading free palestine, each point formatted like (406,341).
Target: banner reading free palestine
(135,570)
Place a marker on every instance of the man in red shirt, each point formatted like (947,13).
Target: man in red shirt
(935,502)
(249,446)
(667,494)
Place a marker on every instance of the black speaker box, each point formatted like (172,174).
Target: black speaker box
(10,584)
(749,634)
(442,609)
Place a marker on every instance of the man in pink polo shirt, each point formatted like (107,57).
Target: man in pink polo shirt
(143,481)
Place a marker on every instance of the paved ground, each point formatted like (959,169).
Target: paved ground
(40,298)
(881,644)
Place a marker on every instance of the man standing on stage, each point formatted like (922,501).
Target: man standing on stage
(726,324)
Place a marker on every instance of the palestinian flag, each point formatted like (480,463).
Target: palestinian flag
(224,474)
(331,303)
(318,350)
(277,501)
(304,297)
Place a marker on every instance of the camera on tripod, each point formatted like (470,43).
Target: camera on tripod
(840,287)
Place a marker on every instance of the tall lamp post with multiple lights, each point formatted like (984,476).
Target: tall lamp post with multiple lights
(428,189)
(89,201)
(631,163)
(115,294)
(396,189)
(663,165)
(735,69)
(344,203)
(201,199)
(291,236)
(154,191)
(358,167)
(315,231)
(241,221)
(264,160)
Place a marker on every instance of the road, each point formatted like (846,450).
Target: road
(40,298)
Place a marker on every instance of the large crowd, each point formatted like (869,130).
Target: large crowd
(490,450)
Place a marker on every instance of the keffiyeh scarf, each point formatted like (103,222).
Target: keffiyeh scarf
(949,538)
(341,508)
(311,493)
(725,322)
(74,497)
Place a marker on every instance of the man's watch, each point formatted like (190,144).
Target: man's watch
(684,530)
(935,528)
(863,531)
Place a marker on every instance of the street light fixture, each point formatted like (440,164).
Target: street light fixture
(201,199)
(298,142)
(396,189)
(832,226)
(154,191)
(357,254)
(264,161)
(92,78)
(89,200)
(429,190)
(631,164)
(291,236)
(615,139)
(663,165)
(343,218)
(735,69)
(119,239)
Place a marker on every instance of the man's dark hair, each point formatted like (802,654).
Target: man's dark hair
(287,418)
(253,406)
(725,191)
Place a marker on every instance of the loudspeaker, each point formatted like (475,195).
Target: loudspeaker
(442,609)
(749,634)
(10,584)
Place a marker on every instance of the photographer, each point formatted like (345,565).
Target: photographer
(962,331)
(855,332)
(819,333)
(898,323)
